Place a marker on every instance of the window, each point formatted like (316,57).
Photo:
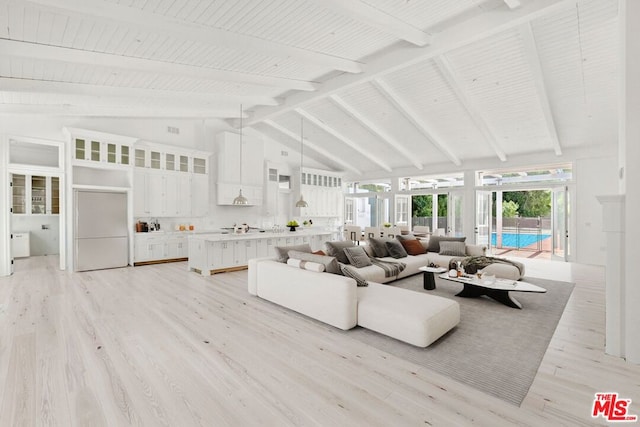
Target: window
(547,173)
(273,175)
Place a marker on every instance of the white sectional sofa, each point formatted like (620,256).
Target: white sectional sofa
(416,318)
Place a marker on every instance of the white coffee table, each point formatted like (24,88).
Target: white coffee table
(498,290)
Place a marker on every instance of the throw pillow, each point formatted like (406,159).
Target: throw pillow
(282,252)
(395,249)
(434,242)
(336,249)
(379,247)
(330,263)
(352,272)
(306,265)
(357,256)
(319,252)
(452,248)
(369,250)
(413,247)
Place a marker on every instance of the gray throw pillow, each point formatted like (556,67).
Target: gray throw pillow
(434,242)
(330,263)
(379,247)
(357,256)
(350,271)
(452,248)
(396,249)
(336,249)
(282,252)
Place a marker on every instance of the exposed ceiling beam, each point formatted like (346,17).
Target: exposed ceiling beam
(410,114)
(114,111)
(477,28)
(315,147)
(348,141)
(36,51)
(531,53)
(374,17)
(140,20)
(455,82)
(375,129)
(45,86)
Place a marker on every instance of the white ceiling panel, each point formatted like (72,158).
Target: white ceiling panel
(496,80)
(368,100)
(497,76)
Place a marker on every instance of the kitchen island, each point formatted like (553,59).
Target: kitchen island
(216,253)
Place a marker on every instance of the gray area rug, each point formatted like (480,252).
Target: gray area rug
(494,348)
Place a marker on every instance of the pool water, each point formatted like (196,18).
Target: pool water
(513,240)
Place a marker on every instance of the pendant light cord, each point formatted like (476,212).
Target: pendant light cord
(240,147)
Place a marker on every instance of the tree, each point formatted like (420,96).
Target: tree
(531,203)
(421,205)
(509,209)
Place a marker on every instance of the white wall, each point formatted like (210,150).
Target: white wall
(594,177)
(43,241)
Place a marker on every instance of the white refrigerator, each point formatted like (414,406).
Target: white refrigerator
(100,229)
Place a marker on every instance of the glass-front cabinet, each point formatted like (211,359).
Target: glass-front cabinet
(35,195)
(96,152)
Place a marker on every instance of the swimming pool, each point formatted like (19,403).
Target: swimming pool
(513,240)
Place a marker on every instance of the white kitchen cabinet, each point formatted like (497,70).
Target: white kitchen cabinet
(21,245)
(229,179)
(220,255)
(199,195)
(154,247)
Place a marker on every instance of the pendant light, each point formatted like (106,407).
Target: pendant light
(240,200)
(301,203)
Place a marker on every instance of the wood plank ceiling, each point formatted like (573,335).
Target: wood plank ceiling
(382,85)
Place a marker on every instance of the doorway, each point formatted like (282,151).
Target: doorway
(525,223)
(441,212)
(36,217)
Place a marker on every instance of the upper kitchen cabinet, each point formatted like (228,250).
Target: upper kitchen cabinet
(35,195)
(170,181)
(323,192)
(232,175)
(98,149)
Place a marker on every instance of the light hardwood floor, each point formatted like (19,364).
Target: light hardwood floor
(157,345)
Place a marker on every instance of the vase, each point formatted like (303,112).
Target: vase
(292,228)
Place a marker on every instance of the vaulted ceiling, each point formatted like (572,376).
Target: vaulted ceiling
(381,85)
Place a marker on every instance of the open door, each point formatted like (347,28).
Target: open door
(560,225)
(454,212)
(402,209)
(483,218)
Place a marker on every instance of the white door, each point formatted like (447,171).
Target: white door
(402,209)
(483,218)
(560,226)
(454,212)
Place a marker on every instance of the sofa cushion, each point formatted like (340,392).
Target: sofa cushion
(395,249)
(413,247)
(434,242)
(330,263)
(306,265)
(452,248)
(350,271)
(282,252)
(476,250)
(403,237)
(336,249)
(357,256)
(379,247)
